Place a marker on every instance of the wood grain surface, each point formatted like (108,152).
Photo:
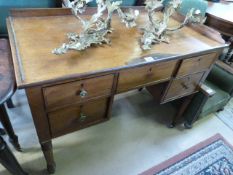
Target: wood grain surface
(184,86)
(33,39)
(68,119)
(68,93)
(143,76)
(196,64)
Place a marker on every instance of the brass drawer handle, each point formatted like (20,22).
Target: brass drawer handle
(82,117)
(83,93)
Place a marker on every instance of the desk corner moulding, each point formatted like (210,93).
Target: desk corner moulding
(73,91)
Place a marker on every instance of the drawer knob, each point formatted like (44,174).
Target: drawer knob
(82,117)
(83,93)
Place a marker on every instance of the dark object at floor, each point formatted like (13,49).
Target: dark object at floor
(7,89)
(2,132)
(220,81)
(8,160)
(10,103)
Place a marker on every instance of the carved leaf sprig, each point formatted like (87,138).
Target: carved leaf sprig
(96,29)
(129,17)
(155,32)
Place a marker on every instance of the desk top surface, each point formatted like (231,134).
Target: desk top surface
(35,33)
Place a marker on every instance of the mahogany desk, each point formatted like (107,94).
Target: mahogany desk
(76,90)
(220,17)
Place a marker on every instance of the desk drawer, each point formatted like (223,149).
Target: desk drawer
(78,91)
(148,74)
(73,118)
(183,86)
(196,64)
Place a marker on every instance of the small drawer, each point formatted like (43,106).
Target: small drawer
(196,64)
(73,118)
(146,75)
(78,91)
(183,86)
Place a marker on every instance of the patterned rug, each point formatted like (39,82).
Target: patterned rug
(213,156)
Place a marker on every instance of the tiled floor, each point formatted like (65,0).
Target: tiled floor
(135,139)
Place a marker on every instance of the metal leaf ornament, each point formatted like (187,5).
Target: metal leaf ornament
(156,30)
(95,30)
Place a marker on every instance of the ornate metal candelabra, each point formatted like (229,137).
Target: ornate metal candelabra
(96,29)
(155,32)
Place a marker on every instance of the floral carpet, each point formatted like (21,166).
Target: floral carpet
(213,156)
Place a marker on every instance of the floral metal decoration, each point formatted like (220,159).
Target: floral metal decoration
(155,32)
(95,30)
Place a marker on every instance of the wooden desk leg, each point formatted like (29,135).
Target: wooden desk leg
(8,160)
(181,111)
(2,132)
(8,127)
(47,149)
(36,102)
